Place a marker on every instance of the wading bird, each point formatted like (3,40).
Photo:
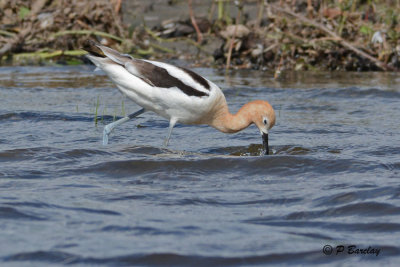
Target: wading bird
(177,94)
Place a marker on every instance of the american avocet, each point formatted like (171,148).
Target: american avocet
(177,94)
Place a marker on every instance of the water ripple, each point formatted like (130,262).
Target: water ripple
(12,213)
(222,203)
(364,209)
(45,116)
(357,195)
(52,206)
(347,227)
(171,259)
(209,199)
(253,165)
(355,92)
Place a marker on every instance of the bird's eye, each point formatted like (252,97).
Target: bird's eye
(265,121)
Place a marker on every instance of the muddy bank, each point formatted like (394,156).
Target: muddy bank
(278,35)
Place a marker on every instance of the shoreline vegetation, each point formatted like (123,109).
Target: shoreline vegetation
(349,35)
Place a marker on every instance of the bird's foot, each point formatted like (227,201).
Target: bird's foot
(165,144)
(106,132)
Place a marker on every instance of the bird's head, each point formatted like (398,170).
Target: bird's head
(264,119)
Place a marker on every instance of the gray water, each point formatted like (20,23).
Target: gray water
(209,199)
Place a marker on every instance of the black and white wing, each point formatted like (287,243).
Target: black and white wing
(156,74)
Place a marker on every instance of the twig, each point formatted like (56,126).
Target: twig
(6,33)
(335,37)
(88,32)
(45,55)
(232,39)
(116,19)
(175,39)
(260,13)
(161,48)
(277,73)
(15,41)
(270,47)
(117,6)
(193,20)
(220,9)
(7,47)
(211,11)
(310,8)
(231,42)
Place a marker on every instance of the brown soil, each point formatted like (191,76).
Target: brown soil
(299,35)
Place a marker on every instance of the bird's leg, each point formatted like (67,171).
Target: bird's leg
(172,123)
(109,127)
